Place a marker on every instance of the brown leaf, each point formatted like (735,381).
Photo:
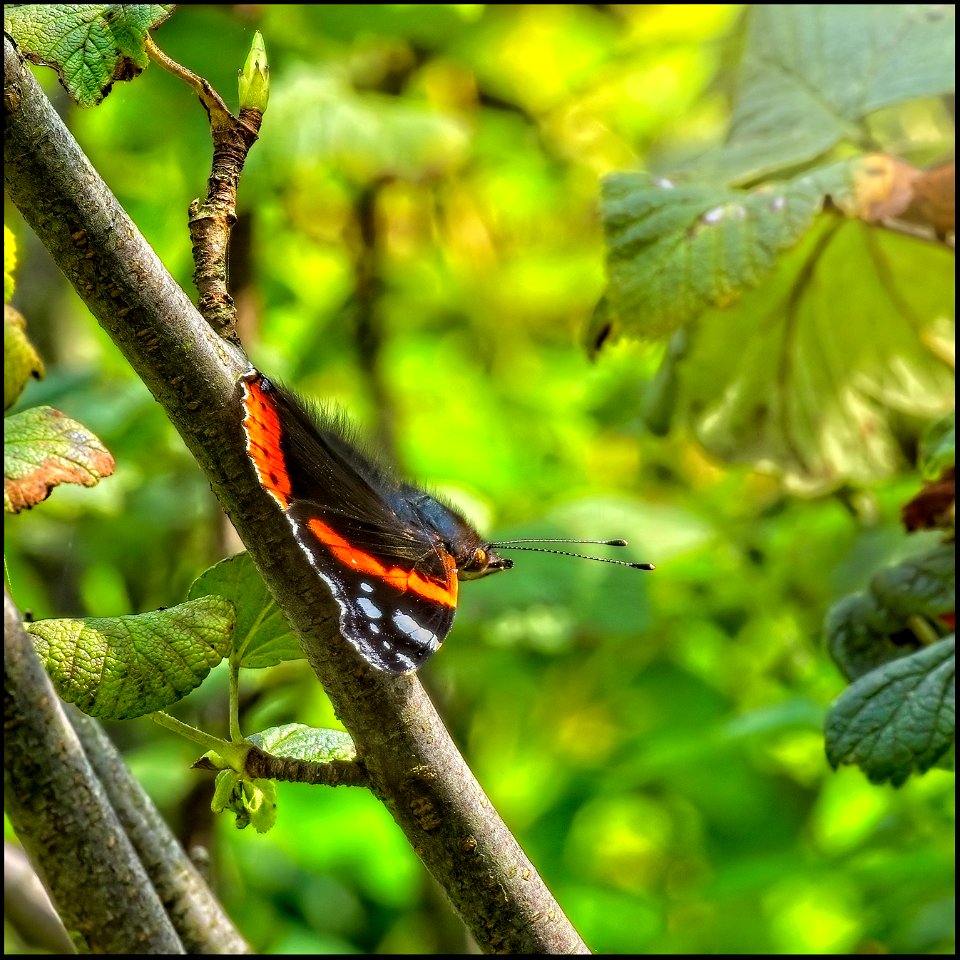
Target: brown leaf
(933,507)
(935,199)
(886,188)
(883,187)
(44,448)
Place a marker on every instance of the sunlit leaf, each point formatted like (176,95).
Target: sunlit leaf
(90,45)
(117,668)
(899,718)
(812,72)
(305,743)
(43,448)
(9,262)
(837,336)
(676,249)
(262,637)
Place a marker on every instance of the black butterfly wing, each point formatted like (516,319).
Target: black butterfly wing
(391,575)
(395,614)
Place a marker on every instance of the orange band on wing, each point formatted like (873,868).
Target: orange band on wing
(261,424)
(445,593)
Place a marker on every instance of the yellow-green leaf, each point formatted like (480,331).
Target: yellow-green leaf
(251,801)
(836,339)
(301,742)
(20,360)
(9,262)
(117,668)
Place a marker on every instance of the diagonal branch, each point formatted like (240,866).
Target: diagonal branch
(412,763)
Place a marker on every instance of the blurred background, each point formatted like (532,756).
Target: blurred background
(420,243)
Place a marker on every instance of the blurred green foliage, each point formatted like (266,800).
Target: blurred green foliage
(654,740)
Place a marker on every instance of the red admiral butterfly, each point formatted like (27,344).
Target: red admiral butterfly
(391,554)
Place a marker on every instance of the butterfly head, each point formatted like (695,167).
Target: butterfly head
(481,562)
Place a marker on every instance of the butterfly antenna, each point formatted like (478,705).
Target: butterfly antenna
(509,545)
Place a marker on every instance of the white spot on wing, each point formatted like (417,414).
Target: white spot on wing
(370,608)
(418,634)
(402,621)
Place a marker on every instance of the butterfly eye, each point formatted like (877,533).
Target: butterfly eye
(481,562)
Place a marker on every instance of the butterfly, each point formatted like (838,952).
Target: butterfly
(392,555)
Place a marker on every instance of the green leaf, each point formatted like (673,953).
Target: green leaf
(117,668)
(866,630)
(262,637)
(835,339)
(673,250)
(859,636)
(43,448)
(90,45)
(920,586)
(938,448)
(252,801)
(899,718)
(260,803)
(300,742)
(20,360)
(811,74)
(225,787)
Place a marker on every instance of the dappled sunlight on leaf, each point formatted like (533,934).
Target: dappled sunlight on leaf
(117,668)
(810,396)
(812,72)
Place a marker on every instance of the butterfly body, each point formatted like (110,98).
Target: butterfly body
(391,554)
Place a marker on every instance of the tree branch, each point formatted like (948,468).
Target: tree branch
(333,773)
(412,763)
(64,820)
(196,914)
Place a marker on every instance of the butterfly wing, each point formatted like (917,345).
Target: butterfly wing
(391,575)
(395,615)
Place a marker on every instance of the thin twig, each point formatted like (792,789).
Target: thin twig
(212,219)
